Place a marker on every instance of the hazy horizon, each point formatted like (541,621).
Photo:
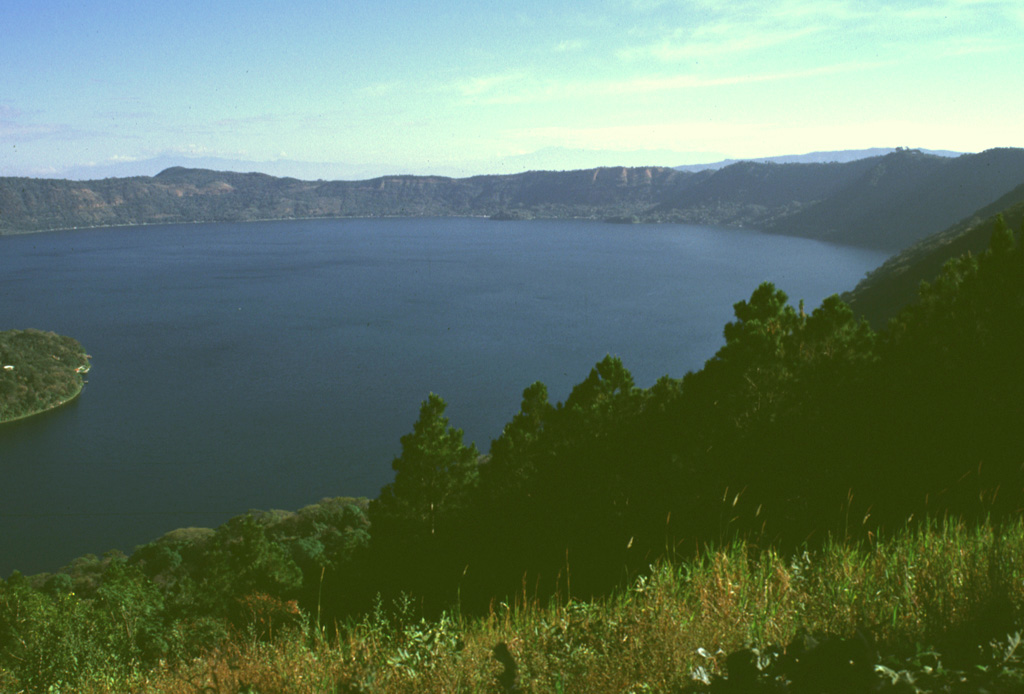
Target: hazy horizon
(547,160)
(352,91)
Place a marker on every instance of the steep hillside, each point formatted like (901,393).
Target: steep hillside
(752,194)
(907,195)
(895,283)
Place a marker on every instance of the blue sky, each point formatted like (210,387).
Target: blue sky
(467,87)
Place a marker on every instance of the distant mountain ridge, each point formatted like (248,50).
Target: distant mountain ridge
(826,157)
(887,201)
(908,196)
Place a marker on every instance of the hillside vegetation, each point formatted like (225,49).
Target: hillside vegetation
(885,201)
(895,283)
(814,473)
(931,610)
(38,371)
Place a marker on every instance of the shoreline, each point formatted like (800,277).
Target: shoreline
(25,232)
(729,227)
(51,408)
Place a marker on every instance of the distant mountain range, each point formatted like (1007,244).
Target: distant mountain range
(284,168)
(547,159)
(885,201)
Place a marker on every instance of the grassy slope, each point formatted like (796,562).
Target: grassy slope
(932,599)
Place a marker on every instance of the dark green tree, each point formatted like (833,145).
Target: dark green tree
(513,455)
(433,477)
(761,325)
(420,524)
(607,393)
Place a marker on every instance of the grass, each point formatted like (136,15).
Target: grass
(944,589)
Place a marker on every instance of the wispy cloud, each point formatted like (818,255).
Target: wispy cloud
(256,120)
(981,4)
(973,46)
(631,136)
(648,5)
(479,86)
(193,149)
(724,42)
(648,84)
(128,115)
(788,31)
(750,136)
(568,46)
(707,30)
(16,125)
(382,88)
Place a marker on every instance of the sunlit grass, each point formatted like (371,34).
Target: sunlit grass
(946,586)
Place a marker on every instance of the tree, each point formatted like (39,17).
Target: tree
(743,382)
(433,477)
(608,393)
(761,325)
(420,524)
(512,462)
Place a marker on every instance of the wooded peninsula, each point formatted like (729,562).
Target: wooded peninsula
(39,371)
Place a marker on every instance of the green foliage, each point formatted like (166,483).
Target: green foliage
(421,521)
(134,604)
(433,477)
(941,604)
(56,641)
(243,561)
(38,371)
(513,456)
(608,392)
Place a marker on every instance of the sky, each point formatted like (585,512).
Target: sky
(360,88)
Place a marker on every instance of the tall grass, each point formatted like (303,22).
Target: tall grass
(943,585)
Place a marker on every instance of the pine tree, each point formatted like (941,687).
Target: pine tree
(433,476)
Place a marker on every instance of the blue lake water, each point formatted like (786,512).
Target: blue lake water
(268,365)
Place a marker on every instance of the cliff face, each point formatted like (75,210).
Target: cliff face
(886,201)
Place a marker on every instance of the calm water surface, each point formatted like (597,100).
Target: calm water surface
(268,365)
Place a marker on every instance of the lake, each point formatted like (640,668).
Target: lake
(271,364)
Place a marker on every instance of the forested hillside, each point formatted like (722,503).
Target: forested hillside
(886,201)
(895,283)
(804,430)
(907,195)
